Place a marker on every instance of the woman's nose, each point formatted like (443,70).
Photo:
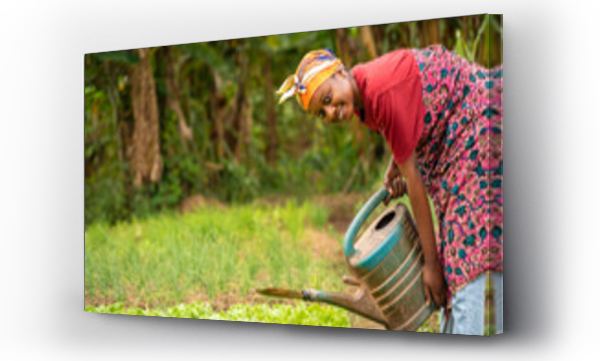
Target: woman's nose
(330,112)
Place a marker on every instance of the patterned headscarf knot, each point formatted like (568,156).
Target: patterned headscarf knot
(315,67)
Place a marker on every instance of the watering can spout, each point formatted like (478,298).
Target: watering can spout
(359,303)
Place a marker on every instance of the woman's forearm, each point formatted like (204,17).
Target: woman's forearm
(417,194)
(433,274)
(422,212)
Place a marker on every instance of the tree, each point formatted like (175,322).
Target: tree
(146,161)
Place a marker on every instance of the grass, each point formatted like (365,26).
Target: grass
(206,264)
(203,255)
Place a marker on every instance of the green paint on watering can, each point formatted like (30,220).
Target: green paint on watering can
(379,254)
(360,218)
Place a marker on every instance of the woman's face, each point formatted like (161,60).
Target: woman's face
(335,99)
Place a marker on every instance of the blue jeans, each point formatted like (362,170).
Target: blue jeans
(468,308)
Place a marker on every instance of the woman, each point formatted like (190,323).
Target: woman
(442,118)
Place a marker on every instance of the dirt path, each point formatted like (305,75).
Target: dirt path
(342,208)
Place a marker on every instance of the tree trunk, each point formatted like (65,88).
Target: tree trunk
(239,120)
(272,139)
(466,25)
(368,40)
(146,162)
(431,31)
(247,134)
(174,94)
(218,103)
(404,41)
(341,41)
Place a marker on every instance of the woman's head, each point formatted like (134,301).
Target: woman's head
(323,86)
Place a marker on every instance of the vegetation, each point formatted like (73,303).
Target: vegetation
(214,251)
(298,314)
(165,123)
(213,258)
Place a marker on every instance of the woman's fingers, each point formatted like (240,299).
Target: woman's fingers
(439,300)
(401,186)
(395,187)
(439,297)
(447,310)
(398,186)
(388,185)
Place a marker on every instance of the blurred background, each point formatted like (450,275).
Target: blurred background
(199,189)
(168,123)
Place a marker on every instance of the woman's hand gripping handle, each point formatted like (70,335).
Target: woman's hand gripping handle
(393,182)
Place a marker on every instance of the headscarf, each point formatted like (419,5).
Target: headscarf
(315,67)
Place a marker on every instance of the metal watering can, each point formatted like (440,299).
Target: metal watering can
(386,263)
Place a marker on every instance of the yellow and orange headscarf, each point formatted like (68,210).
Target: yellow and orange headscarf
(316,67)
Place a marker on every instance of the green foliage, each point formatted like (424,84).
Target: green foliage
(182,173)
(239,183)
(432,325)
(468,48)
(210,252)
(299,313)
(310,156)
(105,187)
(125,57)
(489,330)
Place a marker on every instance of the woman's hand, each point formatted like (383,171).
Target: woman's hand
(433,276)
(393,182)
(434,284)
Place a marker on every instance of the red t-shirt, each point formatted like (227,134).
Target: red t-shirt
(392,96)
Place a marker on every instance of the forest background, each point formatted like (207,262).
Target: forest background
(165,125)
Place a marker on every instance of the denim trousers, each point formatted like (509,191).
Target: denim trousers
(468,307)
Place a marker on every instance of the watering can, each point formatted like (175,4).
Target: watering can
(386,263)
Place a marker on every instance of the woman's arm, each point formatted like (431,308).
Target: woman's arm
(433,279)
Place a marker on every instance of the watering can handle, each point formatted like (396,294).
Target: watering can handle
(360,218)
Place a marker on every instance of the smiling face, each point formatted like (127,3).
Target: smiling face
(335,100)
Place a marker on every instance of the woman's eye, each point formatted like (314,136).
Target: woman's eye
(327,99)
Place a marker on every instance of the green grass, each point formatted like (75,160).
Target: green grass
(183,266)
(163,260)
(299,313)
